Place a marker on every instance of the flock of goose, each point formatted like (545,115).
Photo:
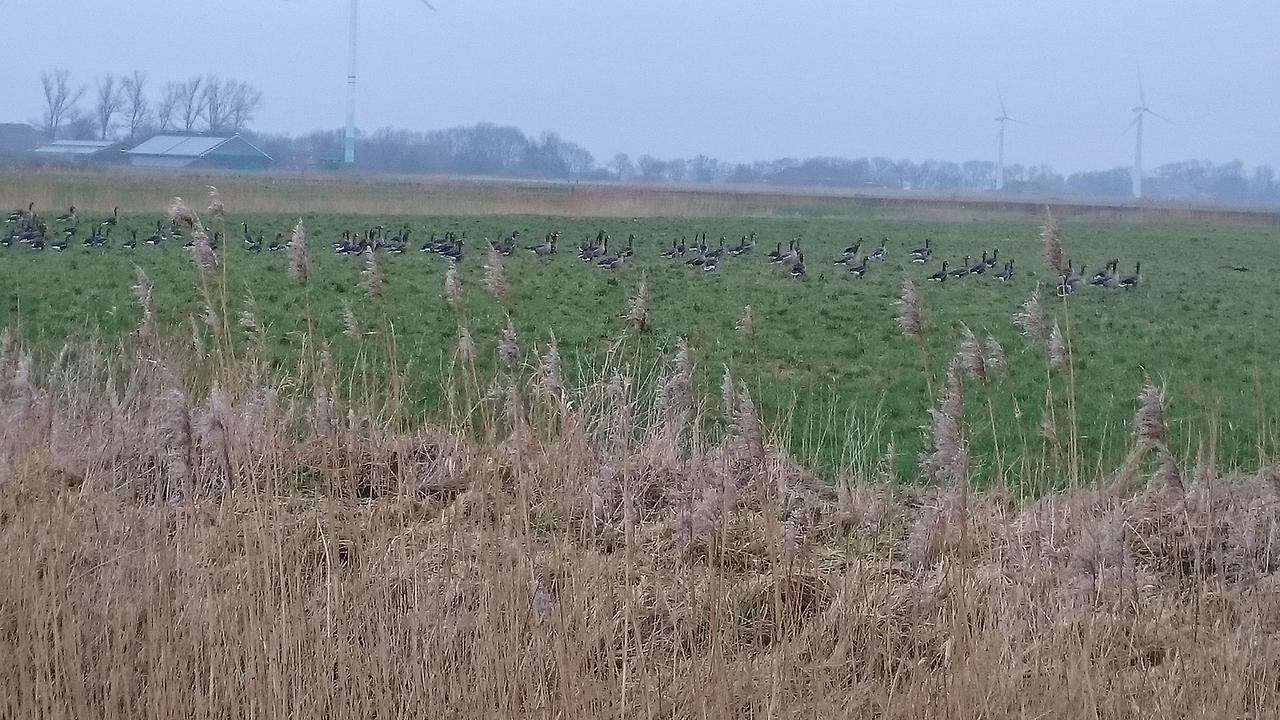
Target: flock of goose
(26,227)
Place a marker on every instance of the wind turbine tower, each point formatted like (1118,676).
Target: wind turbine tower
(349,145)
(1139,112)
(1004,118)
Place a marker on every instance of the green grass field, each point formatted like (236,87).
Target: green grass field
(827,363)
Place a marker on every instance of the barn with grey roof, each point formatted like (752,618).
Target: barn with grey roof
(230,152)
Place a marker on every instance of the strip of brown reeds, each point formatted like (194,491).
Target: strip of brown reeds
(268,545)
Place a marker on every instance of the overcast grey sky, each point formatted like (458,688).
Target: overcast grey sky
(737,80)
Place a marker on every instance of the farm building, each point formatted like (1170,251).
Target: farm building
(179,151)
(18,139)
(79,151)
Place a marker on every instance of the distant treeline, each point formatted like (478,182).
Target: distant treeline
(493,150)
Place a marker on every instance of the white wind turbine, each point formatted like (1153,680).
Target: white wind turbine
(349,151)
(1140,111)
(1004,118)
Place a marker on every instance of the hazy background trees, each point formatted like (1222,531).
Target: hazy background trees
(61,101)
(129,108)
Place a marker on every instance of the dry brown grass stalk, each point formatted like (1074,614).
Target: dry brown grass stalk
(299,262)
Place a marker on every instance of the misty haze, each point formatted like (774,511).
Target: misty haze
(427,358)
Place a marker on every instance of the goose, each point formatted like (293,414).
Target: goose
(115,218)
(710,264)
(254,245)
(595,252)
(612,263)
(1134,280)
(58,245)
(716,252)
(1102,277)
(791,254)
(278,244)
(744,246)
(454,252)
(850,255)
(775,254)
(941,275)
(1071,282)
(629,250)
(860,269)
(979,267)
(881,252)
(797,269)
(248,237)
(962,270)
(19,214)
(156,237)
(1006,275)
(67,216)
(672,252)
(995,258)
(132,242)
(921,255)
(547,248)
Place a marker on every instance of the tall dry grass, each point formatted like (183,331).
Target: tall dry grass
(186,538)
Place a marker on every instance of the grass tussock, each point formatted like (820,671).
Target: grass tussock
(189,538)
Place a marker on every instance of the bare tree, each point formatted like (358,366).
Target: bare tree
(243,101)
(136,109)
(168,105)
(216,105)
(109,101)
(621,165)
(61,101)
(191,102)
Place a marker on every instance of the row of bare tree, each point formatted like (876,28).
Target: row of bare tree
(122,107)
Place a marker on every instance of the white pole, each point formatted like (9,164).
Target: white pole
(349,154)
(1000,163)
(1137,159)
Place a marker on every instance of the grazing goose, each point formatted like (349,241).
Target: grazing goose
(68,216)
(612,263)
(797,269)
(1006,275)
(921,255)
(941,275)
(710,264)
(860,269)
(1102,277)
(1134,280)
(850,255)
(881,252)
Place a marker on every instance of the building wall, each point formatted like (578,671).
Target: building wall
(160,161)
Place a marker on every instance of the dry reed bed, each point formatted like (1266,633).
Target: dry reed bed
(201,537)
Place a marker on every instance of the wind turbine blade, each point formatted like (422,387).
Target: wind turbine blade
(424,2)
(1020,122)
(1132,122)
(1162,117)
(1003,112)
(1142,95)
